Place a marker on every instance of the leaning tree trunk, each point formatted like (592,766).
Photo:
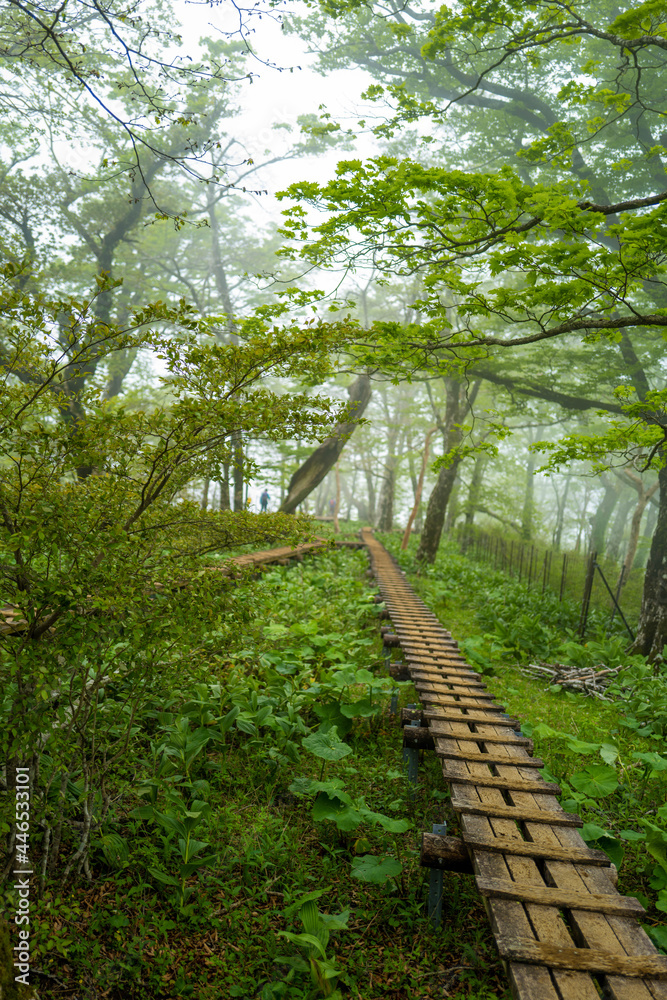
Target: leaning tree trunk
(455,413)
(602,516)
(435,513)
(635,525)
(652,629)
(316,466)
(617,529)
(418,490)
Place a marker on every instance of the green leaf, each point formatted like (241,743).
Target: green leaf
(370,868)
(305,898)
(339,812)
(596,781)
(308,941)
(658,935)
(327,746)
(609,753)
(359,709)
(655,761)
(115,849)
(335,921)
(579,746)
(656,842)
(386,822)
(163,877)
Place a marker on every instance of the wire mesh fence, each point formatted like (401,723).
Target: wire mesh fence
(568,574)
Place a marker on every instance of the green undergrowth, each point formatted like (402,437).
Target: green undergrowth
(610,757)
(262,840)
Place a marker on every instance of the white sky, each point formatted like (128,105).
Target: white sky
(280,95)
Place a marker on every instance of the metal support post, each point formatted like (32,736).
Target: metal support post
(435,885)
(406,750)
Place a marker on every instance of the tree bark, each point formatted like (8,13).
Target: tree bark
(602,516)
(385,521)
(316,466)
(336,525)
(635,524)
(237,471)
(618,527)
(455,412)
(652,629)
(418,490)
(561,503)
(472,502)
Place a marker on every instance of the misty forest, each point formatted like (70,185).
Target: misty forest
(276,281)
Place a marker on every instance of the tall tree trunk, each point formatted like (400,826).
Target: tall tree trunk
(582,518)
(237,470)
(528,511)
(475,487)
(418,490)
(385,521)
(652,629)
(224,489)
(336,525)
(316,466)
(560,513)
(602,515)
(455,412)
(370,490)
(204,499)
(635,525)
(453,508)
(650,522)
(618,527)
(435,513)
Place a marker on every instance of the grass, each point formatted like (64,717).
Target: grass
(124,935)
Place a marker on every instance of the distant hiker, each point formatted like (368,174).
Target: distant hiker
(332,507)
(264,501)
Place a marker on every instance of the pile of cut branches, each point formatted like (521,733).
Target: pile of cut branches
(592,681)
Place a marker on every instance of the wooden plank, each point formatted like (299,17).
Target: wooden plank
(526,848)
(484,758)
(510,784)
(616,905)
(606,933)
(440,698)
(473,717)
(520,919)
(473,737)
(593,929)
(526,949)
(460,679)
(518,814)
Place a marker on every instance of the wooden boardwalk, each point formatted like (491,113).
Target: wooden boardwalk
(561,927)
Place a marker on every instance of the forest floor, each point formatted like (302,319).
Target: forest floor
(255,851)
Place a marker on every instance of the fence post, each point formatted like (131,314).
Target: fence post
(520,562)
(586,598)
(435,885)
(509,571)
(562,577)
